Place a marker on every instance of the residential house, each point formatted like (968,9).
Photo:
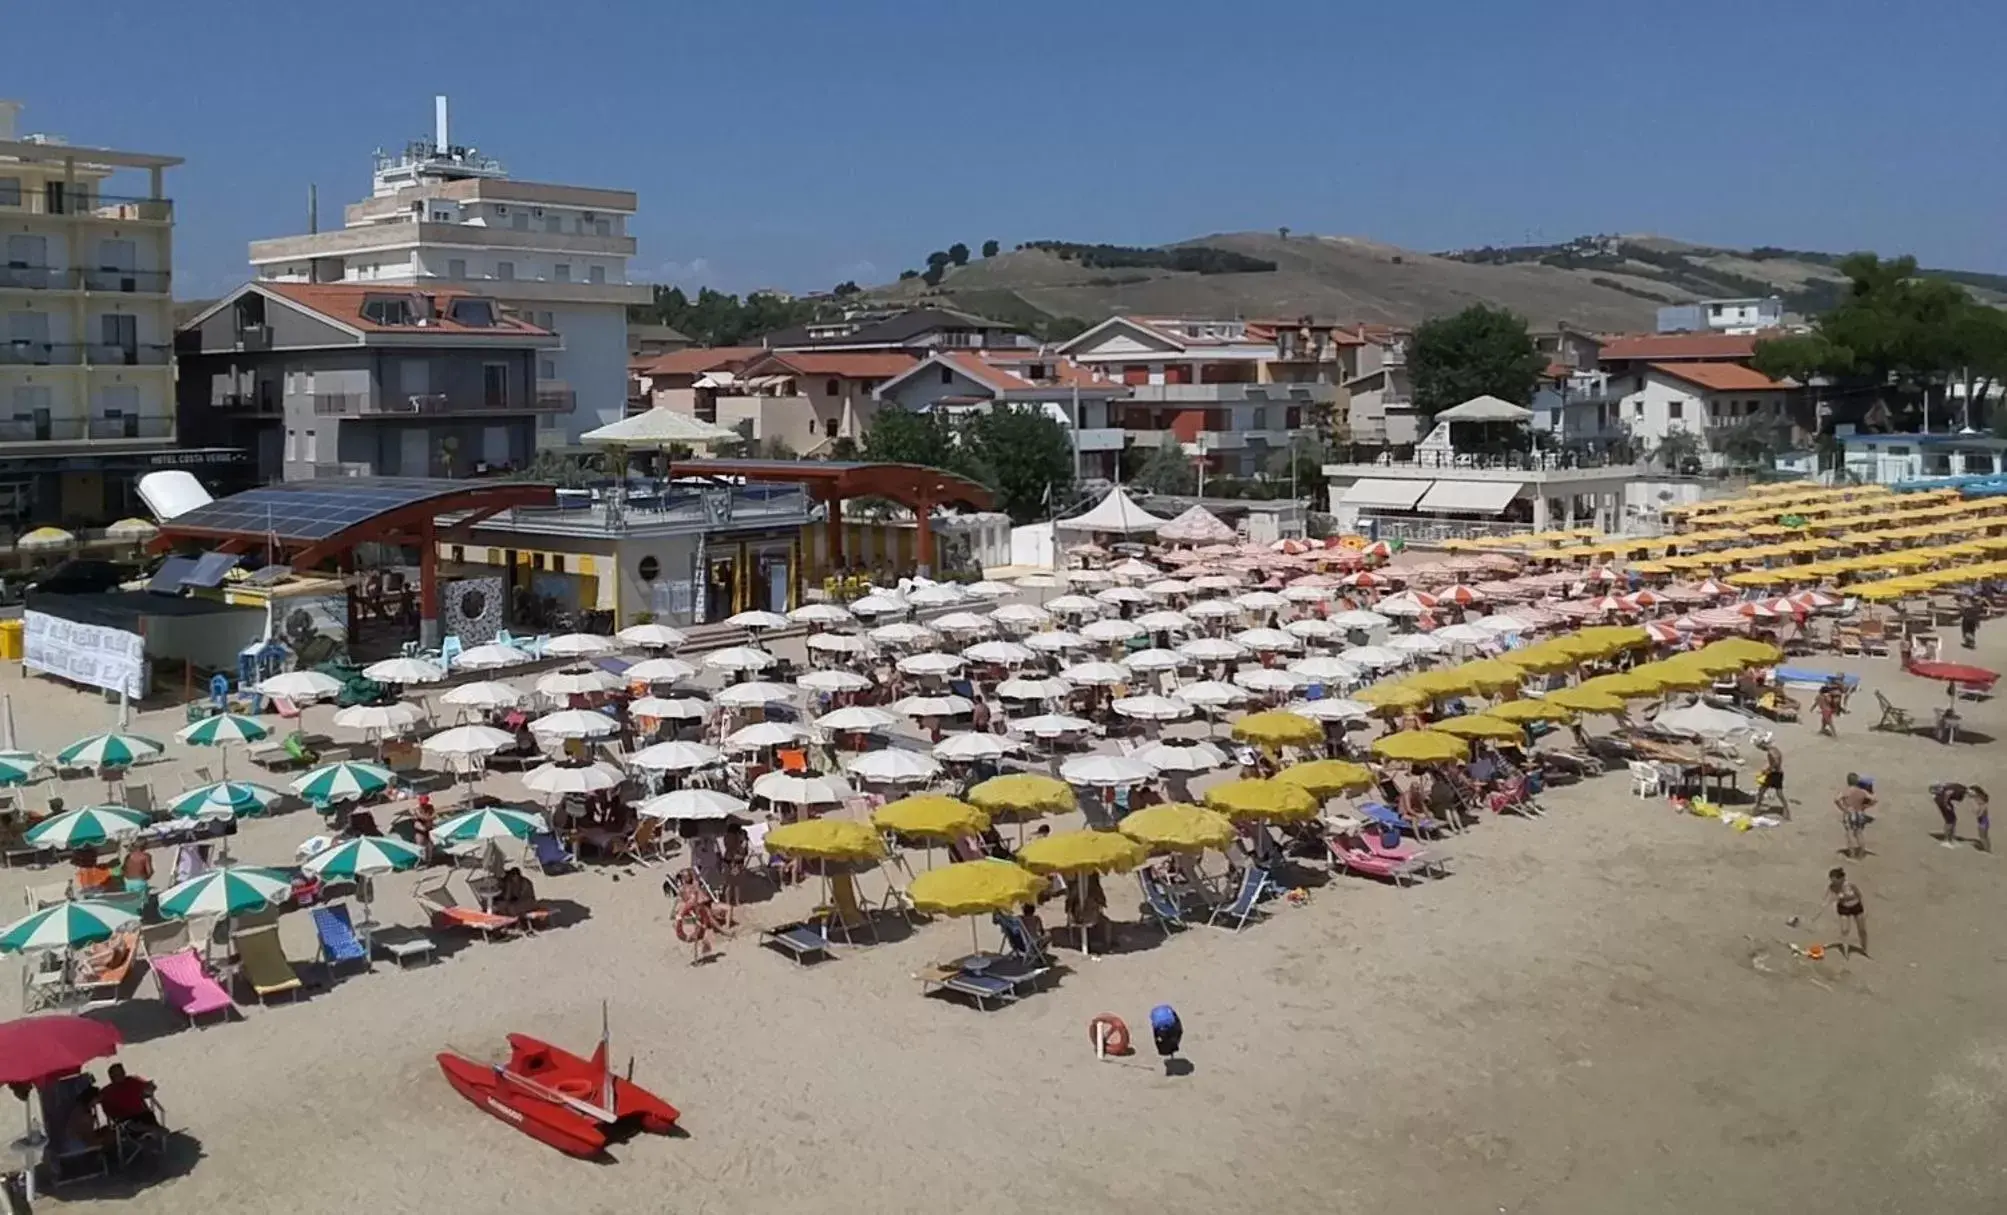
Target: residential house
(327,379)
(1081,398)
(442,215)
(1747,315)
(675,380)
(914,331)
(653,341)
(86,329)
(1890,459)
(804,399)
(1222,388)
(1380,404)
(1704,399)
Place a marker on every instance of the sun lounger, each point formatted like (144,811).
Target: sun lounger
(336,933)
(799,940)
(403,945)
(1366,863)
(979,986)
(447,912)
(1893,718)
(189,988)
(551,854)
(1244,907)
(103,978)
(1163,908)
(1431,861)
(262,963)
(1027,962)
(1386,816)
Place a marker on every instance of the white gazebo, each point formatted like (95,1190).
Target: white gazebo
(1485,409)
(658,427)
(1196,526)
(1117,513)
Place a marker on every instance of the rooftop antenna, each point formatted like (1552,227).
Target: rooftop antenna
(313,207)
(439,121)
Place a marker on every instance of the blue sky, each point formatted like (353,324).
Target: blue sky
(796,144)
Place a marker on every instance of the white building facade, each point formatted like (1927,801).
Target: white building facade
(1701,399)
(556,255)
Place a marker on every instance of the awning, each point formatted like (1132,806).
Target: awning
(1470,497)
(1381,493)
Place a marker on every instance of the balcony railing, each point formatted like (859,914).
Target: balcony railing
(92,206)
(102,355)
(435,404)
(128,282)
(322,472)
(262,405)
(74,430)
(254,338)
(556,400)
(30,278)
(131,426)
(1512,461)
(41,354)
(48,430)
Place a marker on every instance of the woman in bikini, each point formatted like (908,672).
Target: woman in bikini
(1846,900)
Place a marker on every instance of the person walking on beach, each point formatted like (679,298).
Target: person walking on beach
(1854,802)
(1846,900)
(1828,704)
(1946,797)
(1771,780)
(1981,816)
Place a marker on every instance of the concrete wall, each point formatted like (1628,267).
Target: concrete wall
(593,363)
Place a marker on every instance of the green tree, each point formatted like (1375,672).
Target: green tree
(900,436)
(844,448)
(1676,450)
(1305,458)
(991,248)
(717,319)
(1477,352)
(1752,443)
(906,274)
(1023,456)
(846,287)
(958,253)
(555,468)
(1168,470)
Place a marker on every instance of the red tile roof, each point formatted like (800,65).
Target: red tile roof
(1665,346)
(342,302)
(1720,377)
(698,360)
(844,364)
(983,371)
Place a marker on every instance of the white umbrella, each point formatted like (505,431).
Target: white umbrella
(965,623)
(574,723)
(1502,624)
(1181,757)
(1095,674)
(933,706)
(1261,601)
(904,633)
(1269,679)
(879,604)
(300,687)
(856,719)
(839,643)
(1377,657)
(739,658)
(1212,649)
(968,748)
(557,779)
(1215,582)
(1164,588)
(1105,771)
(987,589)
(1134,570)
(676,757)
(658,670)
(754,694)
(1001,653)
(1056,640)
(821,614)
(1329,709)
(404,670)
(1213,609)
(691,806)
(931,663)
(1073,605)
(764,734)
(894,766)
(1462,634)
(578,681)
(1167,622)
(1034,689)
(1704,721)
(834,680)
(483,694)
(1416,643)
(1211,694)
(1311,628)
(1020,615)
(1122,594)
(757,619)
(1153,708)
(1322,668)
(1155,660)
(1358,618)
(1403,604)
(803,790)
(394,718)
(1111,630)
(580,645)
(490,657)
(467,742)
(1041,581)
(669,708)
(1051,725)
(1268,639)
(651,636)
(939,594)
(1089,577)
(1308,594)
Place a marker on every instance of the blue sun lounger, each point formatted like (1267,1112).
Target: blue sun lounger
(978,986)
(1159,903)
(1254,883)
(799,940)
(337,937)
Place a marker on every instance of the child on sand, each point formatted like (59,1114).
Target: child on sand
(1854,802)
(1846,900)
(1977,793)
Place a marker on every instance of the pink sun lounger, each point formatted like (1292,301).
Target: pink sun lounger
(187,985)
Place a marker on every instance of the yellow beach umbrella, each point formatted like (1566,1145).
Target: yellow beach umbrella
(1491,675)
(1620,685)
(930,816)
(1262,799)
(1709,663)
(1479,726)
(1542,657)
(1392,696)
(1747,650)
(1532,710)
(1670,677)
(1023,795)
(1082,852)
(1421,747)
(45,538)
(1279,729)
(1326,777)
(827,839)
(1449,681)
(132,529)
(1178,827)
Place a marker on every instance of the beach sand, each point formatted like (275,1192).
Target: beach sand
(1598,1011)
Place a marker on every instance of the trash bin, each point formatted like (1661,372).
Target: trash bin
(10,639)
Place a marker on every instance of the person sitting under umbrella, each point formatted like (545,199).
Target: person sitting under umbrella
(127,1099)
(516,897)
(361,822)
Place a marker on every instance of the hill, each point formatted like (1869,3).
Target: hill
(1596,282)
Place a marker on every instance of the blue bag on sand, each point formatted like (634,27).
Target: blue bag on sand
(1167,1029)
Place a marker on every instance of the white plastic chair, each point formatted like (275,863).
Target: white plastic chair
(1645,782)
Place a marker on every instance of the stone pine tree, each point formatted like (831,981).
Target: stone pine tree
(1481,351)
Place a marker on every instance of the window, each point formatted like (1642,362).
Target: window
(1676,409)
(602,227)
(595,274)
(475,314)
(832,388)
(456,267)
(387,310)
(561,272)
(506,271)
(947,376)
(495,385)
(10,191)
(650,569)
(520,222)
(546,369)
(292,446)
(313,447)
(829,427)
(553,223)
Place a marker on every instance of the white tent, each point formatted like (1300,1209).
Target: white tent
(1196,526)
(658,428)
(1117,512)
(1485,409)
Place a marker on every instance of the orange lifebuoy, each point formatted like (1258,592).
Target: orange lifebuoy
(691,925)
(1108,1031)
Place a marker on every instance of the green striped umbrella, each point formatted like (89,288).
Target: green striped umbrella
(342,782)
(65,926)
(108,751)
(222,729)
(224,799)
(493,823)
(232,891)
(19,767)
(85,826)
(372,854)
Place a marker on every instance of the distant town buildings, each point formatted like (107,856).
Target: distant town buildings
(1750,315)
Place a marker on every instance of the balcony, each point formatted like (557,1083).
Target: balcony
(76,430)
(1232,394)
(253,339)
(436,404)
(262,405)
(124,282)
(32,278)
(328,471)
(131,426)
(1107,438)
(114,207)
(99,354)
(41,354)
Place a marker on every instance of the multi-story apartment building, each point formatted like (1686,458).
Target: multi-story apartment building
(1380,399)
(1082,399)
(916,331)
(86,328)
(444,215)
(1748,315)
(1227,390)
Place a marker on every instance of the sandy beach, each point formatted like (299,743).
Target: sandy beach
(1597,1011)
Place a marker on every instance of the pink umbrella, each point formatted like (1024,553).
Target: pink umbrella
(1466,565)
(1429,573)
(1499,562)
(1601,573)
(1368,580)
(1318,580)
(1461,595)
(1682,592)
(1720,618)
(1577,609)
(1812,601)
(1501,589)
(1665,632)
(1782,606)
(1537,616)
(1644,598)
(1752,610)
(1378,548)
(1611,603)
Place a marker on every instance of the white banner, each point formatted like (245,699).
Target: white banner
(92,654)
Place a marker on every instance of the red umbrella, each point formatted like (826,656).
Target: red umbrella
(36,1048)
(1955,672)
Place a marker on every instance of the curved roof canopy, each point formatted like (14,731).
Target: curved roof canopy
(328,515)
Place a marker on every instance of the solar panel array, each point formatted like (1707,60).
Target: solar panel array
(168,578)
(210,568)
(313,510)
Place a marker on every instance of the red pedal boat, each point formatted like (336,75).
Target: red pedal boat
(575,1105)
